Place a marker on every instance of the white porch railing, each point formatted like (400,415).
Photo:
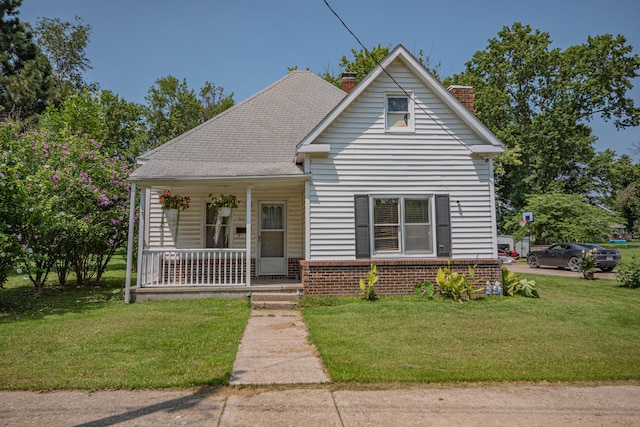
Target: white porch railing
(193,267)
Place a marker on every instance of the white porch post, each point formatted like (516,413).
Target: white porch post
(248,235)
(142,225)
(132,212)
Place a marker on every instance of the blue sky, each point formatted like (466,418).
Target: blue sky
(245,45)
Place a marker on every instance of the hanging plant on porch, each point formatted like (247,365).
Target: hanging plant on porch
(223,204)
(224,201)
(167,201)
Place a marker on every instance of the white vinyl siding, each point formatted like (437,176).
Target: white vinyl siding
(366,159)
(191,224)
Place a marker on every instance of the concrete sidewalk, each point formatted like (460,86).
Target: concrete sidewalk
(437,405)
(275,349)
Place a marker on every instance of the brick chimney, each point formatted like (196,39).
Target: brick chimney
(464,94)
(348,81)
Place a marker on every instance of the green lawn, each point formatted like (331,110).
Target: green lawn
(86,338)
(627,250)
(578,331)
(89,339)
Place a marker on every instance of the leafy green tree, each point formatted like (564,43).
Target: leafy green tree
(105,116)
(363,63)
(24,70)
(561,217)
(173,108)
(65,43)
(214,101)
(625,190)
(539,100)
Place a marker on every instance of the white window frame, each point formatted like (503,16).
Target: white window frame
(207,225)
(401,250)
(410,124)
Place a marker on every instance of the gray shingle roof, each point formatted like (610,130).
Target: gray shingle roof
(256,137)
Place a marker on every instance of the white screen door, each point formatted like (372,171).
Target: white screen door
(273,259)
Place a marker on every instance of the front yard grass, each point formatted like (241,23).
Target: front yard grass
(577,331)
(87,338)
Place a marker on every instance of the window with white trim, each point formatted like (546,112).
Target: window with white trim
(217,230)
(402,225)
(399,113)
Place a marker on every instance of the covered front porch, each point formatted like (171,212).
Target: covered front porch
(259,247)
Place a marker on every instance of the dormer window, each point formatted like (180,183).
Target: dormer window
(399,113)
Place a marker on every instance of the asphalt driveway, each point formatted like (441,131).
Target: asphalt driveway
(522,267)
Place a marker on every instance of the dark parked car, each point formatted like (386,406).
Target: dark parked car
(568,255)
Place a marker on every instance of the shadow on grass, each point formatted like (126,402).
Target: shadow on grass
(18,302)
(173,405)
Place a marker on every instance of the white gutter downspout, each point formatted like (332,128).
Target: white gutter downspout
(248,236)
(132,209)
(494,220)
(307,209)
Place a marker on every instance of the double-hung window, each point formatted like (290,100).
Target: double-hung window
(217,230)
(399,113)
(402,225)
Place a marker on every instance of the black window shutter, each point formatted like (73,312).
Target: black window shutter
(443,225)
(363,246)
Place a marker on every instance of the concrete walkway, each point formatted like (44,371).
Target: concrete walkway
(275,349)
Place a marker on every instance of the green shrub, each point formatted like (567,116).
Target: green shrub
(424,288)
(514,284)
(451,284)
(367,289)
(628,273)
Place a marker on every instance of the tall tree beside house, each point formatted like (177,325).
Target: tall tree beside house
(561,217)
(363,63)
(538,100)
(24,71)
(173,108)
(105,117)
(625,191)
(65,43)
(214,101)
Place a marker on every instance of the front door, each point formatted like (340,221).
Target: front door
(271,240)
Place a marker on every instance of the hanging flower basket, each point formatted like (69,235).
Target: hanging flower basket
(224,201)
(167,201)
(223,204)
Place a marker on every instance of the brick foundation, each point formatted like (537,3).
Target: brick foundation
(396,276)
(293,271)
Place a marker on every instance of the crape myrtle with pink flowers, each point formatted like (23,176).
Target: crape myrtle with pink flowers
(64,206)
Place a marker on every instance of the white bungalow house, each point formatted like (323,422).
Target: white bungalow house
(395,172)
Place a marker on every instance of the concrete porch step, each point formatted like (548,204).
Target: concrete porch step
(274,305)
(282,300)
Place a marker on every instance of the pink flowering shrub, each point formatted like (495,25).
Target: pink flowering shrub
(69,204)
